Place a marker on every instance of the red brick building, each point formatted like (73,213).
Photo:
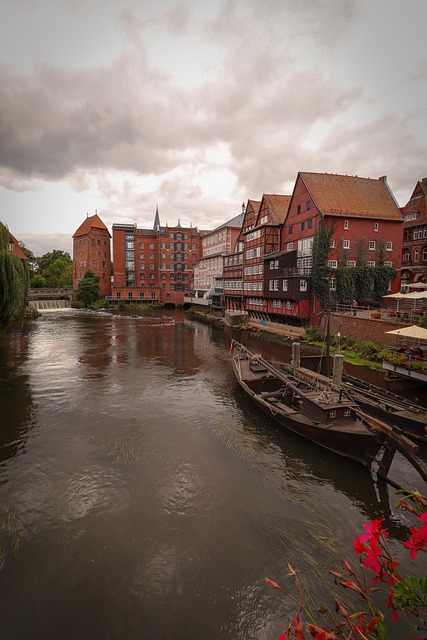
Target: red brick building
(154,265)
(233,262)
(91,250)
(414,253)
(15,248)
(362,211)
(260,236)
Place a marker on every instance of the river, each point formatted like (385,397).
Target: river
(142,496)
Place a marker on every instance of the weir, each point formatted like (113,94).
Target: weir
(49,304)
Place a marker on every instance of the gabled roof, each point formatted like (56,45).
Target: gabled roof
(91,222)
(235,223)
(417,204)
(277,205)
(255,204)
(337,195)
(16,249)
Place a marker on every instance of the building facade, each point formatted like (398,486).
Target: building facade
(414,253)
(91,250)
(215,244)
(154,265)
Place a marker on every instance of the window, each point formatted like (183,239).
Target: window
(151,267)
(130,295)
(285,285)
(142,256)
(151,256)
(346,224)
(302,226)
(372,245)
(141,295)
(151,245)
(142,266)
(389,246)
(308,205)
(388,263)
(347,412)
(288,305)
(346,244)
(370,263)
(425,233)
(351,263)
(290,246)
(332,284)
(332,245)
(332,413)
(141,245)
(333,264)
(298,209)
(376,227)
(415,255)
(424,254)
(290,230)
(309,223)
(303,285)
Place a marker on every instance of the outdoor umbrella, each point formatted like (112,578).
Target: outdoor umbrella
(398,296)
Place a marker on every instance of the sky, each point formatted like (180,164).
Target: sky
(119,106)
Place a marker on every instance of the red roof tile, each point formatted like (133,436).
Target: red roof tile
(351,196)
(92,222)
(278,206)
(16,249)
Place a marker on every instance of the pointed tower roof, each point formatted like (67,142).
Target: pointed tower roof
(91,222)
(156,225)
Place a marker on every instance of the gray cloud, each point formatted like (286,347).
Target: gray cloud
(264,103)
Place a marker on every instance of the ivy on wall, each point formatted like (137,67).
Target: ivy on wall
(320,272)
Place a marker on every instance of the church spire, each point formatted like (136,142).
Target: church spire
(156,226)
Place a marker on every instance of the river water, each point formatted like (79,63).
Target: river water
(143,496)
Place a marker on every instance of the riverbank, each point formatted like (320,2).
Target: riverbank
(356,352)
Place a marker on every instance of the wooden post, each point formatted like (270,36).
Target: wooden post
(338,369)
(296,355)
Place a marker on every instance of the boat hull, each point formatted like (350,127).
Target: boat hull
(355,441)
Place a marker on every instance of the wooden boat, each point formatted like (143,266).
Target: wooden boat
(389,407)
(325,417)
(375,401)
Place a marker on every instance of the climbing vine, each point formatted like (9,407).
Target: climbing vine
(320,272)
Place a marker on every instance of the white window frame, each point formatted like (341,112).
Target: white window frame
(346,244)
(345,225)
(371,245)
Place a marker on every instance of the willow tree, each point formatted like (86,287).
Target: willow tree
(320,271)
(14,283)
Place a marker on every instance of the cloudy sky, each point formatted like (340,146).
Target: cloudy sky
(117,106)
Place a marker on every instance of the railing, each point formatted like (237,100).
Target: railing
(409,316)
(49,293)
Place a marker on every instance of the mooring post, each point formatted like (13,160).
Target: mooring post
(338,369)
(296,355)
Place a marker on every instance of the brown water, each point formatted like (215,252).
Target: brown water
(143,496)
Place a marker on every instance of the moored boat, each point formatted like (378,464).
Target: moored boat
(327,418)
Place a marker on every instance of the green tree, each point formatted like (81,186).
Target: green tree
(88,291)
(320,272)
(56,268)
(14,283)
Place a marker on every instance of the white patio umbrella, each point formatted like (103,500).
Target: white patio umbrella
(398,296)
(415,332)
(418,285)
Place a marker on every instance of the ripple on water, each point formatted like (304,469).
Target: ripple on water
(182,492)
(93,490)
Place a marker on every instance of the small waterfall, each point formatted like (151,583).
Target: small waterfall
(49,304)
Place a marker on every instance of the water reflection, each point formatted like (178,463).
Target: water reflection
(153,497)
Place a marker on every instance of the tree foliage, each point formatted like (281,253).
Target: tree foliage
(14,283)
(88,291)
(320,272)
(54,269)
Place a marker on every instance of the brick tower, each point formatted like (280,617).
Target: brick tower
(91,250)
